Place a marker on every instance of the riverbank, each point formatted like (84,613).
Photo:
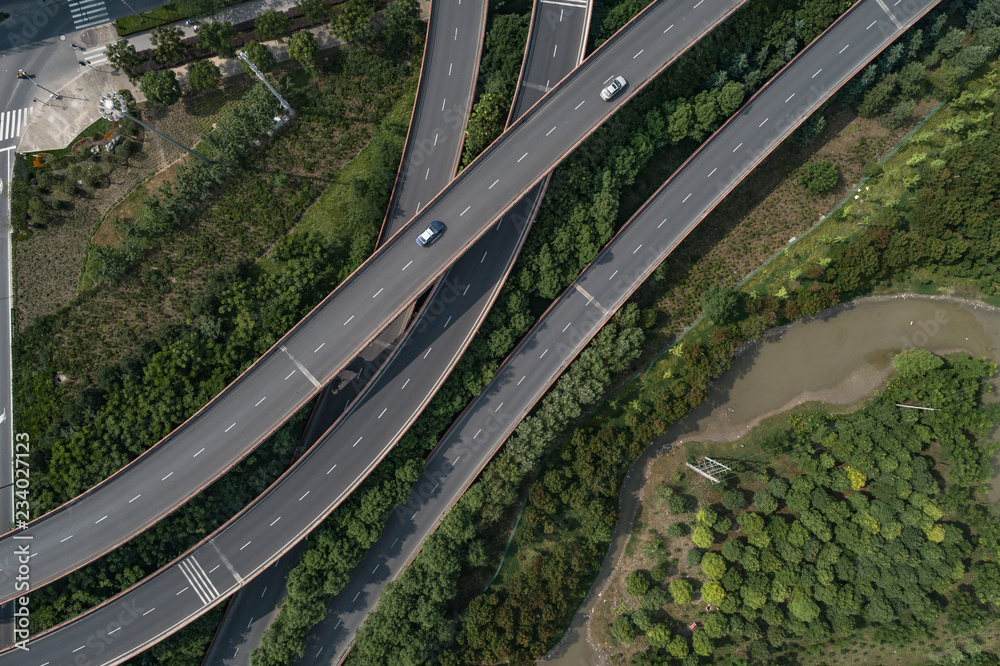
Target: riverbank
(835,360)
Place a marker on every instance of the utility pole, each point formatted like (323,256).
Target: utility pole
(114,108)
(260,75)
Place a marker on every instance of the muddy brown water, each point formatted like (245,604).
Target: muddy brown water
(839,357)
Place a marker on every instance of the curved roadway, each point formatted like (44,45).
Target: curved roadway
(185,589)
(433,149)
(556,44)
(293,371)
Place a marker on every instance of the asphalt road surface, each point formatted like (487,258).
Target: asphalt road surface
(175,595)
(293,371)
(430,159)
(556,44)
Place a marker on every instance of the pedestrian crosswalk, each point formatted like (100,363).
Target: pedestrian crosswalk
(12,122)
(98,57)
(87,13)
(198,580)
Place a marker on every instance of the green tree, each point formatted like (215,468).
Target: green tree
(678,647)
(702,536)
(160,87)
(804,609)
(623,630)
(353,24)
(723,305)
(702,644)
(637,584)
(734,499)
(303,48)
(819,177)
(271,24)
(713,565)
(765,502)
(659,635)
(123,58)
(916,362)
(204,75)
(402,25)
(260,56)
(218,36)
(167,43)
(314,11)
(681,591)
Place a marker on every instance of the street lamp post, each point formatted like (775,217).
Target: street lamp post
(22,75)
(114,108)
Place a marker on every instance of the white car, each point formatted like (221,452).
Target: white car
(613,88)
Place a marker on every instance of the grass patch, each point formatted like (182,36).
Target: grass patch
(99,126)
(171,13)
(330,214)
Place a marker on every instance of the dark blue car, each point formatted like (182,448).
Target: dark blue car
(431,233)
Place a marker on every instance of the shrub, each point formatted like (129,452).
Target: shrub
(655,599)
(676,504)
(702,536)
(819,177)
(637,584)
(643,620)
(681,591)
(678,530)
(734,500)
(694,557)
(622,630)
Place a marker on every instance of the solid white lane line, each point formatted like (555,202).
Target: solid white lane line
(687,197)
(638,54)
(199,452)
(698,5)
(383,412)
(661,223)
(428,173)
(167,476)
(578,105)
(376,294)
(765,120)
(234,425)
(97,521)
(135,498)
(665,31)
(447,322)
(79,648)
(494,183)
(186,588)
(498,408)
(484,256)
(843,49)
(352,316)
(464,211)
(567,326)
(521,380)
(737,147)
(286,379)
(245,545)
(544,353)
(278,518)
(304,496)
(66,539)
(328,471)
(613,275)
(442,104)
(466,289)
(550,131)
(817,73)
(713,171)
(356,443)
(871,24)
(789,98)
(477,433)
(427,352)
(554,50)
(636,249)
(148,612)
(404,384)
(521,158)
(260,401)
(404,268)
